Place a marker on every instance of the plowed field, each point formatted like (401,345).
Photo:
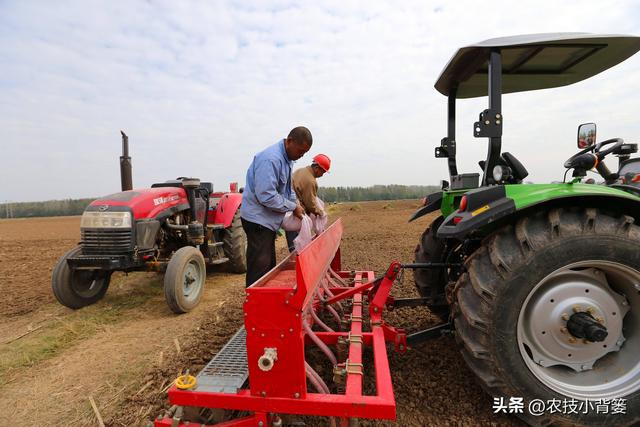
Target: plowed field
(122,352)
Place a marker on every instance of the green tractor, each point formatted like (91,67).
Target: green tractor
(541,282)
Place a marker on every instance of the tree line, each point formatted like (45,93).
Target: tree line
(376,192)
(45,208)
(328,194)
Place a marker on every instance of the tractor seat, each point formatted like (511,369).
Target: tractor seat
(629,172)
(631,165)
(178,183)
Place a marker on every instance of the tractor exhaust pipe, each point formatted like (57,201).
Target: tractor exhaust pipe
(125,164)
(195,233)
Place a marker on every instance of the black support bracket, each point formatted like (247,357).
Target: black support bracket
(447,148)
(429,334)
(418,265)
(489,125)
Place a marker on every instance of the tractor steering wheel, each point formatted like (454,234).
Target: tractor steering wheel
(581,159)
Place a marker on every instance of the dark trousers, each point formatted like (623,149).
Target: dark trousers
(291,235)
(261,250)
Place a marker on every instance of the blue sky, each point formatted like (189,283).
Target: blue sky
(200,87)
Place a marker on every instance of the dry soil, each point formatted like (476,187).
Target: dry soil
(124,351)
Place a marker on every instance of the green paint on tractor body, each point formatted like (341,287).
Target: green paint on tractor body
(525,195)
(451,201)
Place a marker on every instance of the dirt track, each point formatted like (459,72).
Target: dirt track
(123,351)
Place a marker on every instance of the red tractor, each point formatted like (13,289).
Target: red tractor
(179,227)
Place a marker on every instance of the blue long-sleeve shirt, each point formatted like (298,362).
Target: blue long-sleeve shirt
(268,194)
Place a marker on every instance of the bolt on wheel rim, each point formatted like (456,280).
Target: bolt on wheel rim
(192,281)
(573,366)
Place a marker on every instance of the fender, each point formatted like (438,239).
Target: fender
(227,208)
(431,203)
(490,207)
(446,201)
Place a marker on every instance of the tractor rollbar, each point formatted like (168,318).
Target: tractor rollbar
(490,123)
(451,132)
(447,146)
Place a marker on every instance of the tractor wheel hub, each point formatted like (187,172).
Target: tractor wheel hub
(574,319)
(583,325)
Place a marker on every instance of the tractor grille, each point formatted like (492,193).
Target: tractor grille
(106,242)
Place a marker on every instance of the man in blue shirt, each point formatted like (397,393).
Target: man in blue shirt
(267,196)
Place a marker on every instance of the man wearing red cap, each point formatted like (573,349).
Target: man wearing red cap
(305,185)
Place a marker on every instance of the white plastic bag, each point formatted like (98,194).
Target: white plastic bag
(291,222)
(320,221)
(305,235)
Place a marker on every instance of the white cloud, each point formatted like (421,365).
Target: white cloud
(200,87)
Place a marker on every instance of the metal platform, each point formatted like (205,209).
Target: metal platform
(228,370)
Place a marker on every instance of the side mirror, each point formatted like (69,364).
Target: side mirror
(586,135)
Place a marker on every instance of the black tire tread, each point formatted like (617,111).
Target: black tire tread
(177,264)
(499,256)
(234,246)
(61,284)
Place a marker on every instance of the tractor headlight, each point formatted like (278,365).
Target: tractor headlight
(106,220)
(500,173)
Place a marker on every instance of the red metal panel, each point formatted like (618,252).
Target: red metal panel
(226,209)
(336,263)
(354,379)
(287,264)
(384,385)
(147,202)
(274,314)
(327,405)
(271,322)
(313,262)
(383,376)
(382,293)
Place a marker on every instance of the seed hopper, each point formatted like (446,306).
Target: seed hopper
(261,374)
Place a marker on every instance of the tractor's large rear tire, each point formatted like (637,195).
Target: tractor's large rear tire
(431,282)
(511,309)
(184,279)
(235,245)
(78,288)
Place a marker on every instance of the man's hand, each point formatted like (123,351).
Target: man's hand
(298,212)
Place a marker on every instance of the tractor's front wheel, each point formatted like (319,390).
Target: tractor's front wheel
(235,245)
(184,279)
(549,311)
(78,288)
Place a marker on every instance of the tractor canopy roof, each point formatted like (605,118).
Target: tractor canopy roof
(535,61)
